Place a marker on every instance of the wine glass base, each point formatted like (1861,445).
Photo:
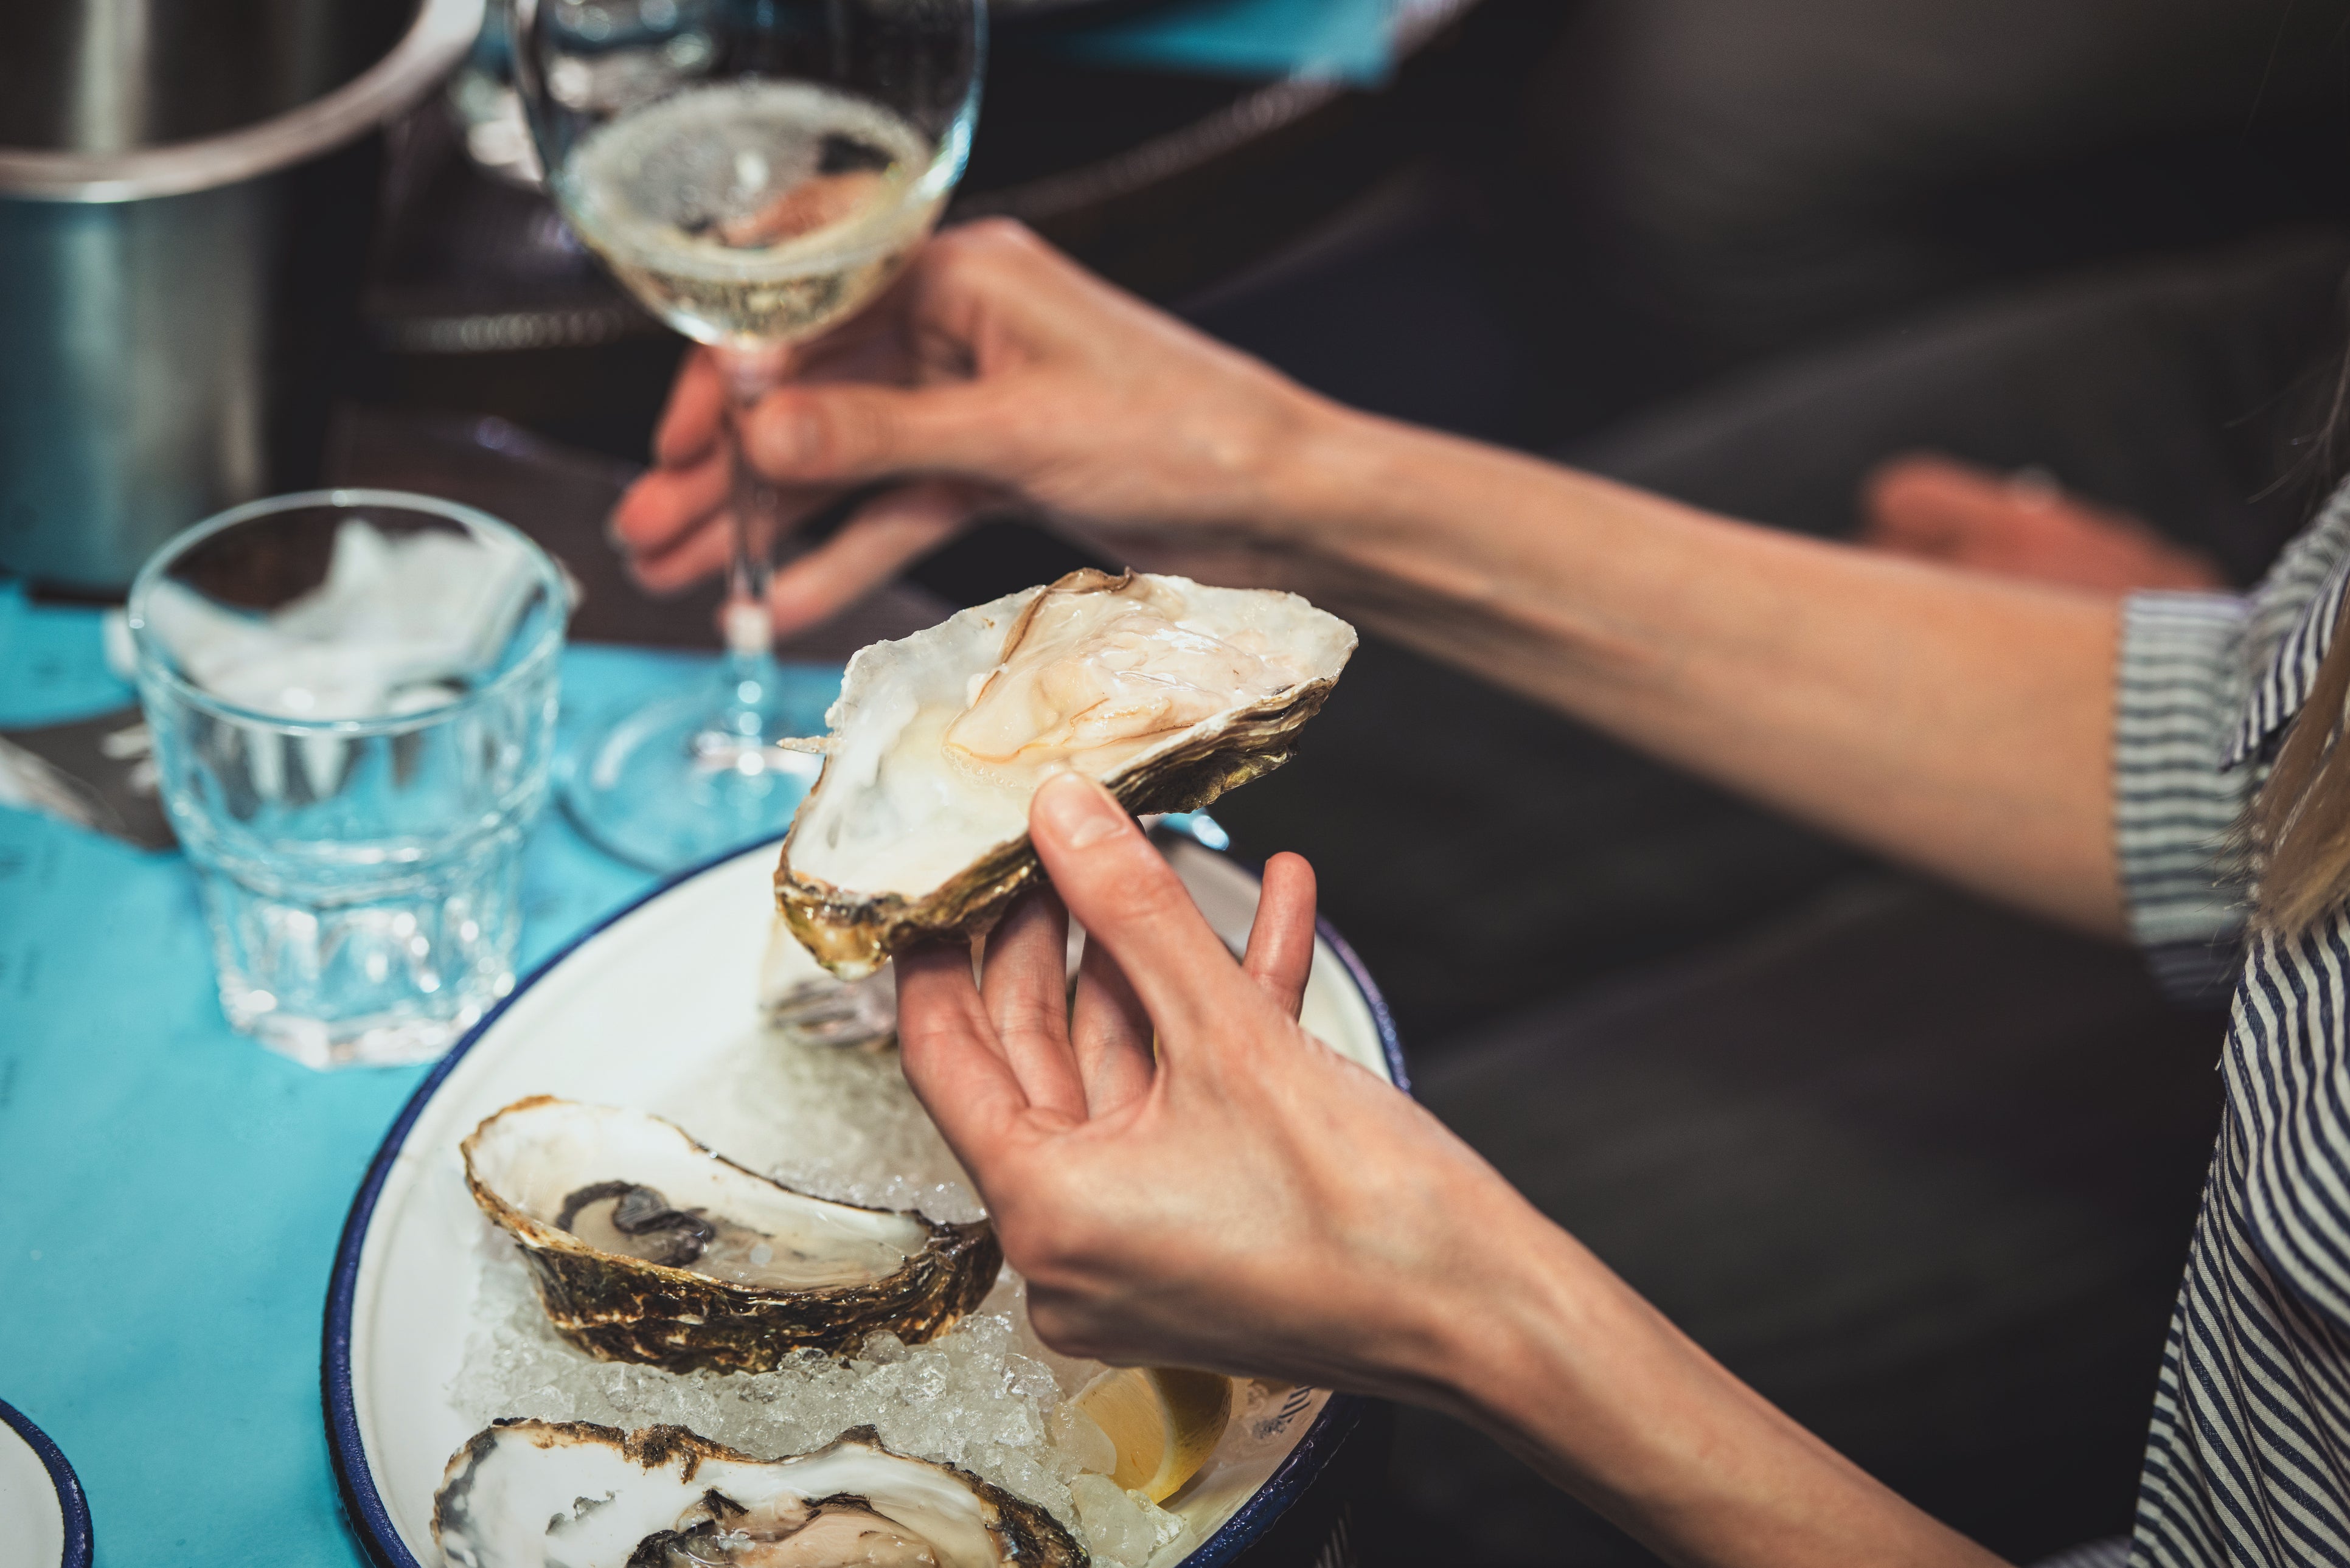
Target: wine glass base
(662,790)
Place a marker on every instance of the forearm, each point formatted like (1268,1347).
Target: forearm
(1569,1367)
(1957,722)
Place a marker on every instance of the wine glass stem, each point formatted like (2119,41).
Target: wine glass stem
(748,711)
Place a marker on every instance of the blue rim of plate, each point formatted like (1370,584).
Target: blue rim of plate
(71,1505)
(363,1505)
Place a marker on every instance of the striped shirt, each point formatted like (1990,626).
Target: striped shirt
(2247,1460)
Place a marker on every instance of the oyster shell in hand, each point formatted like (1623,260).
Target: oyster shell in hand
(647,1247)
(1169,691)
(540,1494)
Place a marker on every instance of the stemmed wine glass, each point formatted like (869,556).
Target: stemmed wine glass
(754,172)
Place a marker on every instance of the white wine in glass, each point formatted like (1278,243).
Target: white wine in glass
(753,213)
(754,172)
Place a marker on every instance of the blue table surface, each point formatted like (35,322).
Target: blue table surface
(1351,40)
(170,1193)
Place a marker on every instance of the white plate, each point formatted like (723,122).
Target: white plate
(662,995)
(46,1522)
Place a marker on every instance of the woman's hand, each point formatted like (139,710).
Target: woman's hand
(1241,1198)
(2019,525)
(995,372)
(1186,1177)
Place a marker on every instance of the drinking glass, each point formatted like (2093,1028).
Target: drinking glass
(754,172)
(352,695)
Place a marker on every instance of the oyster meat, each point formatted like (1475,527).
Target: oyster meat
(645,1246)
(547,1494)
(1167,691)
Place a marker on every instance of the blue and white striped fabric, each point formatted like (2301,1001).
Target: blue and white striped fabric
(2249,1457)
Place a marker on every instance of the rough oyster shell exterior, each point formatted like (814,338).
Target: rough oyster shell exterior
(627,1309)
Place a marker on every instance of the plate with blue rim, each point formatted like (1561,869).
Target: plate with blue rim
(40,1498)
(661,994)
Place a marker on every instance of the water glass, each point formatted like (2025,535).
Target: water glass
(352,694)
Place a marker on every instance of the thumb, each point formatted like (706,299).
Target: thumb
(1130,901)
(849,432)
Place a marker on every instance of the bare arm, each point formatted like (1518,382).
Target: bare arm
(1185,1178)
(1955,721)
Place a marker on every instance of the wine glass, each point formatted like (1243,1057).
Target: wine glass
(754,172)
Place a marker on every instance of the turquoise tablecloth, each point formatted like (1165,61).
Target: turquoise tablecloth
(1351,40)
(170,1192)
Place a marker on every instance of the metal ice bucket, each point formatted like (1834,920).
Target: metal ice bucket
(185,194)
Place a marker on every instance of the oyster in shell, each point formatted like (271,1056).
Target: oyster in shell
(548,1494)
(647,1247)
(1167,691)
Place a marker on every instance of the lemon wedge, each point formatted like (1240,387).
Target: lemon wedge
(1164,1421)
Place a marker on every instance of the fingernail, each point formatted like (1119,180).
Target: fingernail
(1081,812)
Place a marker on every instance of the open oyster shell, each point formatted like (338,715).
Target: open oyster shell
(540,1494)
(1169,691)
(647,1247)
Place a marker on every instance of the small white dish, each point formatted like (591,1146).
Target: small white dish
(40,1500)
(680,968)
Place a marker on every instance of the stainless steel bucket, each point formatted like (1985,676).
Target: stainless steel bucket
(185,192)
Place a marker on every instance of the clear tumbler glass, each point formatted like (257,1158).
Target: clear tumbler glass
(352,694)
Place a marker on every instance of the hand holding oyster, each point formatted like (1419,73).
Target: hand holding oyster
(1167,691)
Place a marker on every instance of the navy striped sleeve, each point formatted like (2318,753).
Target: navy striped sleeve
(2183,684)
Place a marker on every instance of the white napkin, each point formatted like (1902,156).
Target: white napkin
(401,624)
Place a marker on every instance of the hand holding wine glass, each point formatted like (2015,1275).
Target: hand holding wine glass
(996,371)
(755,174)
